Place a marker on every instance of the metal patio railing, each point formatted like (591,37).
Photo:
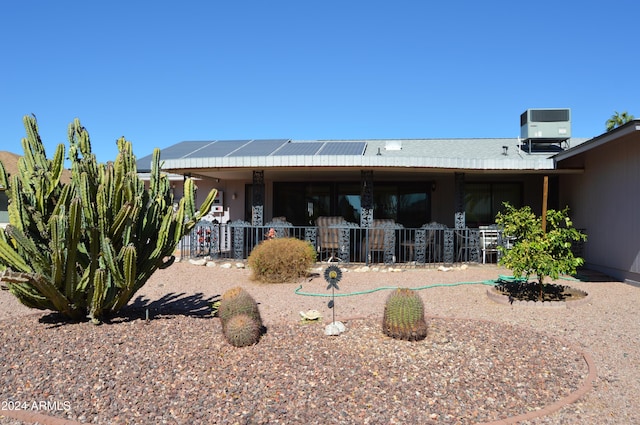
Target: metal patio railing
(430,245)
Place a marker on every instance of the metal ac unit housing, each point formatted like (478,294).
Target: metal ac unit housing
(545,124)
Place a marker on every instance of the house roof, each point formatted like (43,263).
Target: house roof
(10,161)
(457,154)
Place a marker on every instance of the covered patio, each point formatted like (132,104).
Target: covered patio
(418,201)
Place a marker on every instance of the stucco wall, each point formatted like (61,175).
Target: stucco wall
(604,200)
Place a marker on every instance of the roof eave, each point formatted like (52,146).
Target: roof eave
(359,161)
(604,138)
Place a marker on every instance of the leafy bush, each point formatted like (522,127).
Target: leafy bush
(85,247)
(281,260)
(535,251)
(404,316)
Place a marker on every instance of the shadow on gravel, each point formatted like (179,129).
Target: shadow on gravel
(172,304)
(194,305)
(586,275)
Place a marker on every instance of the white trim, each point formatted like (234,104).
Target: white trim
(360,161)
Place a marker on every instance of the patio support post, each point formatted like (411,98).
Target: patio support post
(366,204)
(257,206)
(545,197)
(366,196)
(460,219)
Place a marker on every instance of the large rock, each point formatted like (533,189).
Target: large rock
(334,329)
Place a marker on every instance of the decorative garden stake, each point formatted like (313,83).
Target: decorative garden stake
(332,275)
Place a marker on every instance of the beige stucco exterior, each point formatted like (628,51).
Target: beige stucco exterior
(604,200)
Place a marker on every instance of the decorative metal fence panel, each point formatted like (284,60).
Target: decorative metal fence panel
(430,245)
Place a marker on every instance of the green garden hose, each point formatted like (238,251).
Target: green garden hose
(501,278)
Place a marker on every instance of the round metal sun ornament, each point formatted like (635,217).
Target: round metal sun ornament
(333,274)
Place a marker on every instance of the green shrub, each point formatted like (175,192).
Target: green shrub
(537,251)
(404,316)
(236,301)
(242,330)
(281,260)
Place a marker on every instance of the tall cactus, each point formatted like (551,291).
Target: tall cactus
(85,247)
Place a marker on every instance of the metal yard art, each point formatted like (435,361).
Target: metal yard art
(332,275)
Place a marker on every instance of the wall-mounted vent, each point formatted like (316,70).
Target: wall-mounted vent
(545,125)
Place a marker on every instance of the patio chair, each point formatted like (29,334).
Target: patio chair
(427,244)
(376,243)
(329,236)
(280,227)
(435,233)
(465,244)
(489,242)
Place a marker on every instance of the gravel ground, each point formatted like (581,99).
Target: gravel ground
(482,361)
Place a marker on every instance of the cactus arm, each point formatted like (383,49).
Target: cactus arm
(154,184)
(57,244)
(18,284)
(188,200)
(25,247)
(111,264)
(55,300)
(4,181)
(57,166)
(120,220)
(75,228)
(98,295)
(11,258)
(129,276)
(102,210)
(16,207)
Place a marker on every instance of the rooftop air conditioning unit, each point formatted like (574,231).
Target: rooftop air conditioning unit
(545,124)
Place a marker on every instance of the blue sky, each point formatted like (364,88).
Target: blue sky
(162,72)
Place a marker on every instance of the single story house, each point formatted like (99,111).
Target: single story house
(455,182)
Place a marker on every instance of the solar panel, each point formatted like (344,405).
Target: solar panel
(299,148)
(217,149)
(262,147)
(181,149)
(343,148)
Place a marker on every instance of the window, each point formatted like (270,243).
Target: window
(349,205)
(484,200)
(406,203)
(4,206)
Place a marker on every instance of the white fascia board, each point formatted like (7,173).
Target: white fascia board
(360,161)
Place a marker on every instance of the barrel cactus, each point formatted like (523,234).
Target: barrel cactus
(85,247)
(237,301)
(242,330)
(404,316)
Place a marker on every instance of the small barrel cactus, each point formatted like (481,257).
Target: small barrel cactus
(404,316)
(237,301)
(242,330)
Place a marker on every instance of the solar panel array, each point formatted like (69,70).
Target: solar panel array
(264,147)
